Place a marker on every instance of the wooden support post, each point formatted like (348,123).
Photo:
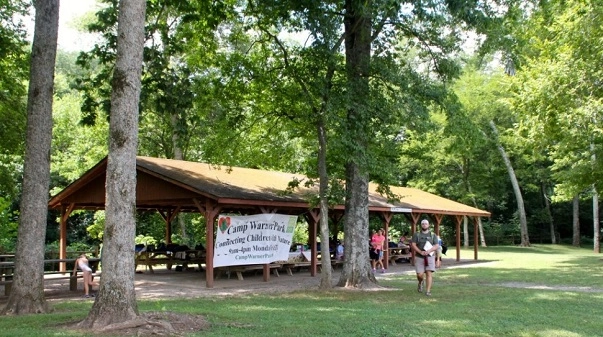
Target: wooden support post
(65,212)
(457,240)
(475,237)
(210,211)
(266,271)
(387,218)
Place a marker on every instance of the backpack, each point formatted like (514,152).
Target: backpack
(432,239)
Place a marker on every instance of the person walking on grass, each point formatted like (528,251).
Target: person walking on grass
(376,253)
(82,264)
(425,245)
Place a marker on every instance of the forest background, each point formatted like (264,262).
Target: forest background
(224,86)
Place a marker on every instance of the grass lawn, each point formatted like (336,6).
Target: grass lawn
(546,290)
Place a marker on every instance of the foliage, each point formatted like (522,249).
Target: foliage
(97,229)
(300,234)
(150,224)
(74,249)
(13,89)
(8,226)
(73,153)
(558,91)
(145,240)
(245,84)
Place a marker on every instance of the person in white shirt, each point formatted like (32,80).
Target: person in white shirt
(82,264)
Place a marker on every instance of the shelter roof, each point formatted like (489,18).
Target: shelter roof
(169,184)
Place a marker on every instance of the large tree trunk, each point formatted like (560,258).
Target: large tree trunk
(116,300)
(326,274)
(576,221)
(27,295)
(356,269)
(357,21)
(523,221)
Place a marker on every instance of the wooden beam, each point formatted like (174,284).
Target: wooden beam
(475,237)
(458,219)
(413,229)
(210,211)
(313,220)
(267,210)
(168,218)
(437,221)
(387,218)
(65,212)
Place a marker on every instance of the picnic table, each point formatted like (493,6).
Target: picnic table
(239,270)
(6,270)
(183,258)
(396,253)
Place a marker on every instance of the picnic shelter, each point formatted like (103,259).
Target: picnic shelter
(172,186)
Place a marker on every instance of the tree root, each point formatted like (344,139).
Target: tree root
(155,324)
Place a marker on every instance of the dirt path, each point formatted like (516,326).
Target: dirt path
(191,284)
(171,284)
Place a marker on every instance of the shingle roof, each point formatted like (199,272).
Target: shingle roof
(225,182)
(175,181)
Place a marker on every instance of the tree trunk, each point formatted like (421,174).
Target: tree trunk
(547,206)
(596,224)
(480,228)
(326,274)
(523,222)
(116,300)
(576,221)
(465,173)
(465,231)
(27,294)
(178,156)
(356,269)
(357,22)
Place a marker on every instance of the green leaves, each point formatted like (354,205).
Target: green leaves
(559,91)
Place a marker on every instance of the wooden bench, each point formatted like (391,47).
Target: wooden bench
(150,259)
(335,263)
(393,258)
(239,270)
(298,265)
(8,282)
(8,270)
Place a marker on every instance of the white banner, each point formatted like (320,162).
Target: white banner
(253,239)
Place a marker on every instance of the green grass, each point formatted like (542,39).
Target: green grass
(523,292)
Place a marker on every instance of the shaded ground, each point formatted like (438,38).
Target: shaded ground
(165,284)
(191,284)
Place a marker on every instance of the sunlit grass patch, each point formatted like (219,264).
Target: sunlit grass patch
(540,291)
